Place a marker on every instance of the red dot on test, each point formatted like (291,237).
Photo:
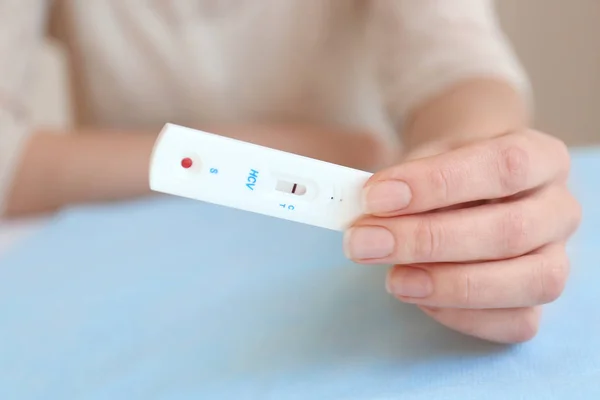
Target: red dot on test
(186,162)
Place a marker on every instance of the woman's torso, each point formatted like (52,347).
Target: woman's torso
(141,63)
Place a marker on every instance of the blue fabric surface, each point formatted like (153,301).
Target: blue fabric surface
(174,299)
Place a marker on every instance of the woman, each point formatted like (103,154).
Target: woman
(475,213)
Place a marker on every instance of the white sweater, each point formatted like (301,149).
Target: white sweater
(354,63)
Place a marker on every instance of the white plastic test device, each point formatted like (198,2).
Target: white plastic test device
(208,167)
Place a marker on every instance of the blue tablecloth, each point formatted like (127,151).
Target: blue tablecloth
(173,299)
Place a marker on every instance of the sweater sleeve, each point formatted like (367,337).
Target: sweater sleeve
(21,30)
(430,45)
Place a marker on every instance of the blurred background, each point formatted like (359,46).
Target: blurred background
(559,43)
(557,40)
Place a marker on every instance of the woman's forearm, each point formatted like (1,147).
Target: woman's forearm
(60,169)
(470,111)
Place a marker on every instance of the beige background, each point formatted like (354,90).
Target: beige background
(558,41)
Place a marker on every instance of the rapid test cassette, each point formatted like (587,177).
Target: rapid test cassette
(212,168)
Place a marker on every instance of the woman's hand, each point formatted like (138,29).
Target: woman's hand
(477,233)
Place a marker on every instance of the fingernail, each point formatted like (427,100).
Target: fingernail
(409,282)
(368,242)
(386,196)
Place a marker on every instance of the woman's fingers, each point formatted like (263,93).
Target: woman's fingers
(487,232)
(502,325)
(527,281)
(496,168)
